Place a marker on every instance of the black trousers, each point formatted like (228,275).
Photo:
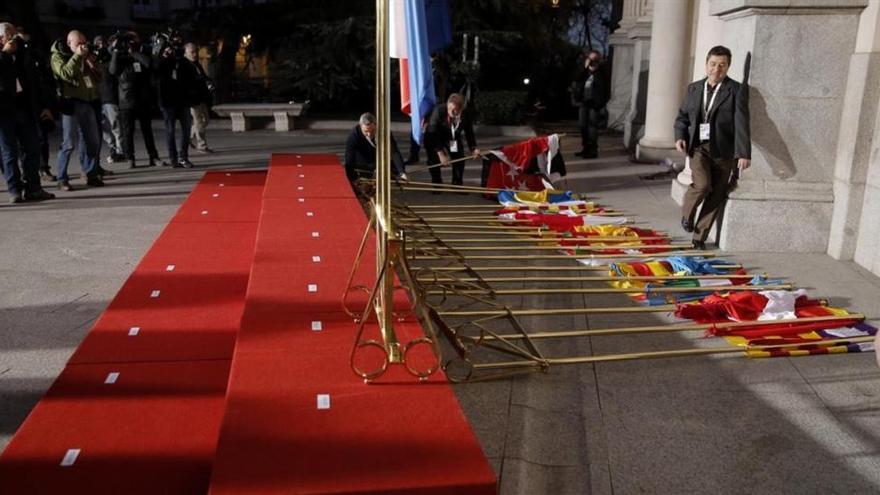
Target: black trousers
(127,119)
(457,168)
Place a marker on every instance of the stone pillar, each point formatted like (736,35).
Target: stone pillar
(621,80)
(639,31)
(622,68)
(785,201)
(853,228)
(707,33)
(669,71)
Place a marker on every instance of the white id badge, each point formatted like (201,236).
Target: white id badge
(88,81)
(18,88)
(453,146)
(137,66)
(174,74)
(704,132)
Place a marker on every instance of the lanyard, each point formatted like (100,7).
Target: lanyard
(454,125)
(707,109)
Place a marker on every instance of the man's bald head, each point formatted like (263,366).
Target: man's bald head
(75,39)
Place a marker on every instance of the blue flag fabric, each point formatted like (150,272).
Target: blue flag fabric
(696,265)
(439,25)
(421,79)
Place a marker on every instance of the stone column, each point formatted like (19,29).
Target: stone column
(621,68)
(785,201)
(669,71)
(639,31)
(854,228)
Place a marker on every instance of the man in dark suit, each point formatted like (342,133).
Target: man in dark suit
(448,127)
(589,93)
(712,127)
(360,151)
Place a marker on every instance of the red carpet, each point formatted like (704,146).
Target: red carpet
(394,437)
(139,407)
(155,429)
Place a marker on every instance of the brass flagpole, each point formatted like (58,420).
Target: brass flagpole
(382,202)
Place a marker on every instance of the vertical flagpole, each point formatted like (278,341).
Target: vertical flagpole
(385,268)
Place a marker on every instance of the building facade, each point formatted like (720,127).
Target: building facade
(814,184)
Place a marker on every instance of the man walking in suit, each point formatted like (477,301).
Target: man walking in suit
(712,127)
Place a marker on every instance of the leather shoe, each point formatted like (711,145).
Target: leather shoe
(701,245)
(65,186)
(95,182)
(687,225)
(186,163)
(40,195)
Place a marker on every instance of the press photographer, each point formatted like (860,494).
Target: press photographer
(132,69)
(22,103)
(77,74)
(178,91)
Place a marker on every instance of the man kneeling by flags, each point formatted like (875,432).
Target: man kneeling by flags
(360,151)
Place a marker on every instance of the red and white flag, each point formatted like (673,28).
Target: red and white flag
(509,164)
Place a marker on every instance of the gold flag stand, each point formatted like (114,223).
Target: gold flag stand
(448,292)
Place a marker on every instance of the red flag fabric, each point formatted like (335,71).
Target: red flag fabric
(520,154)
(740,306)
(505,176)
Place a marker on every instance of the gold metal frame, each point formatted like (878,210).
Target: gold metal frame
(448,292)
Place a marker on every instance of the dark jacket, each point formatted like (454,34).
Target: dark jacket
(203,84)
(439,132)
(178,85)
(133,72)
(360,156)
(728,120)
(107,86)
(23,68)
(598,93)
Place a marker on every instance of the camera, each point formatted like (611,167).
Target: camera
(120,41)
(167,43)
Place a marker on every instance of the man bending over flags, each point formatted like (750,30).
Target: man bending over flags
(443,140)
(360,151)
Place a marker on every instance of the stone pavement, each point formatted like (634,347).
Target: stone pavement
(688,425)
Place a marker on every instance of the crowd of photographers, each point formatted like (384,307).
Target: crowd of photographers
(97,91)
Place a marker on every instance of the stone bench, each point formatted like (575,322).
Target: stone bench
(241,113)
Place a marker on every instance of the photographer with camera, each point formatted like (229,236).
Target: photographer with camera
(201,110)
(108,93)
(178,91)
(77,77)
(132,69)
(46,83)
(22,102)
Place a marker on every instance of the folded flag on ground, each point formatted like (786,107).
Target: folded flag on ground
(786,307)
(564,221)
(665,268)
(544,197)
(532,165)
(577,209)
